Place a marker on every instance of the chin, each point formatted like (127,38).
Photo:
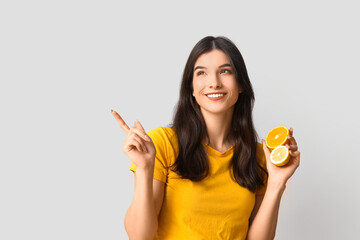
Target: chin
(216,110)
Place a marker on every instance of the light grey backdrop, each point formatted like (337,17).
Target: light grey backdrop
(65,64)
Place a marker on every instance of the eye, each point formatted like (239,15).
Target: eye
(225,71)
(200,73)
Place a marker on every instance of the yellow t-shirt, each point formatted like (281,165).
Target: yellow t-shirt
(215,208)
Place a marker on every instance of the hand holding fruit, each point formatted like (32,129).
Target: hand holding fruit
(285,156)
(138,146)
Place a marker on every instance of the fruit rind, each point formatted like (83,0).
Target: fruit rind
(284,161)
(281,142)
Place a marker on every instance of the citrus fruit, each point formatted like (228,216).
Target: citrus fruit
(280,156)
(276,137)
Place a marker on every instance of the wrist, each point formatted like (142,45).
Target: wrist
(145,166)
(144,177)
(145,170)
(276,185)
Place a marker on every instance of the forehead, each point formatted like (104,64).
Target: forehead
(214,58)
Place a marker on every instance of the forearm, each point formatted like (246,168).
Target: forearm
(140,219)
(264,224)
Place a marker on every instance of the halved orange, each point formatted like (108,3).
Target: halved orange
(276,137)
(280,156)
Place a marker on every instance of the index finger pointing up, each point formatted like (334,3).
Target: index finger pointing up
(121,122)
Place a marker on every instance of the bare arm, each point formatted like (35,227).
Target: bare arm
(141,218)
(264,218)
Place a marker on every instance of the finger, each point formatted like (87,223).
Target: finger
(140,133)
(291,131)
(121,122)
(292,147)
(141,141)
(138,145)
(291,140)
(137,142)
(133,145)
(290,137)
(295,154)
(295,159)
(144,135)
(138,124)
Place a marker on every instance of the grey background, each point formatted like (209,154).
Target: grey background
(65,64)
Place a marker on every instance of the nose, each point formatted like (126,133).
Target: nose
(215,83)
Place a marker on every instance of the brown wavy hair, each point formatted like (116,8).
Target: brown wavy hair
(192,161)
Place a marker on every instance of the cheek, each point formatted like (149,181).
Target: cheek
(197,87)
(235,87)
(235,90)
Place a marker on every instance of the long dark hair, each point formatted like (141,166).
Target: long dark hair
(192,162)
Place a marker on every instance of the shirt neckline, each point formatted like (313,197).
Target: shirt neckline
(215,152)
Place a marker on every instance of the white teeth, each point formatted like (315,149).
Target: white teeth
(215,95)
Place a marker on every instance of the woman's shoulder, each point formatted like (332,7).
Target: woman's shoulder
(167,132)
(166,144)
(163,134)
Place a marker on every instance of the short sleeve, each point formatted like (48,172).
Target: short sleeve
(164,156)
(260,157)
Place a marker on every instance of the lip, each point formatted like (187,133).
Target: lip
(216,98)
(215,93)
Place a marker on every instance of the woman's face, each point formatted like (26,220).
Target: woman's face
(214,83)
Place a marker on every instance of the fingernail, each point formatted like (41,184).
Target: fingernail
(112,110)
(147,138)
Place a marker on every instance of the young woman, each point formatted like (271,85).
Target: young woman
(206,176)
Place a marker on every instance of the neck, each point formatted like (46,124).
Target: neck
(218,128)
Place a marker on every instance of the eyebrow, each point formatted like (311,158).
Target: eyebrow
(221,66)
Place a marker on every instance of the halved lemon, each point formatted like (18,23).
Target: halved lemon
(276,137)
(280,156)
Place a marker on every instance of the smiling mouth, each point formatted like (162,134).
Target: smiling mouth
(215,96)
